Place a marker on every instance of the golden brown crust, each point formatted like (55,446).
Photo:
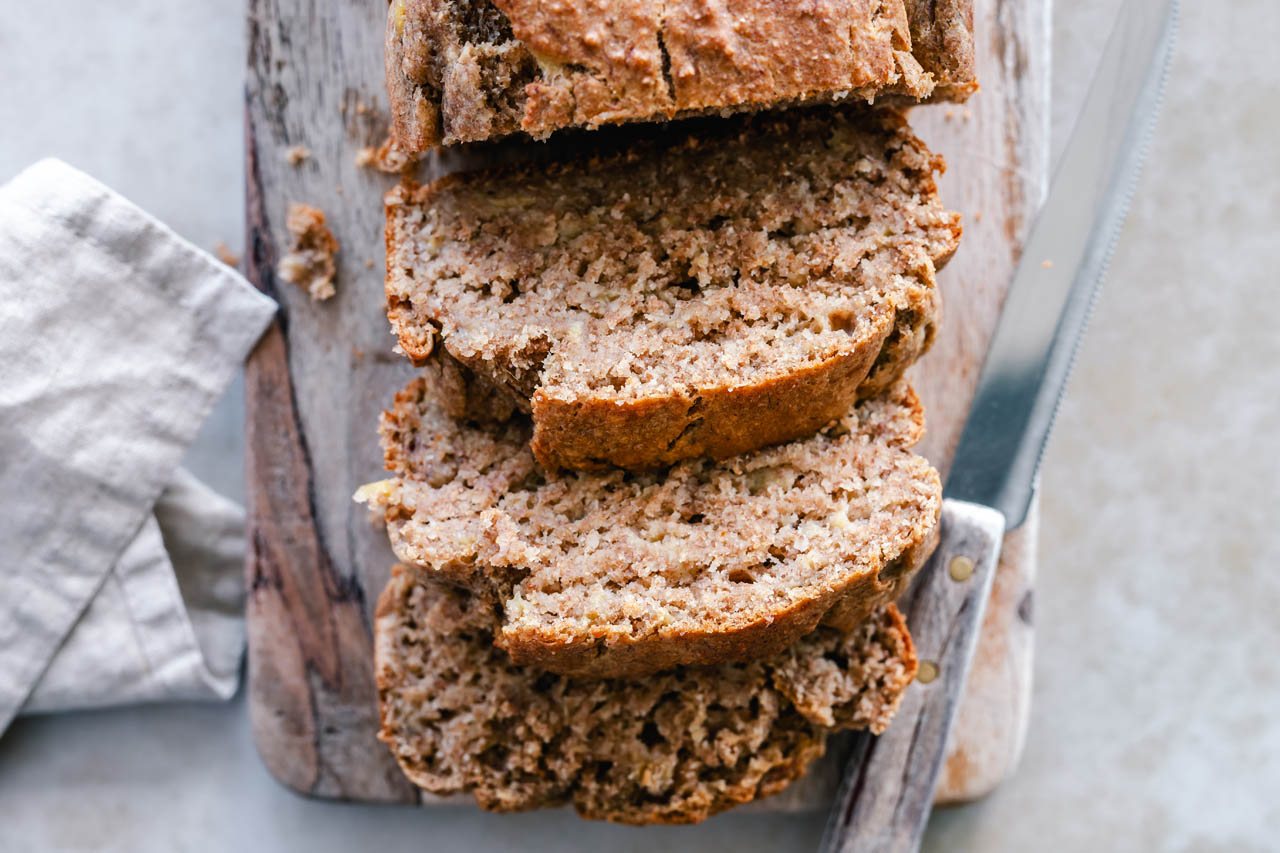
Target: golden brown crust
(843,609)
(676,747)
(469,70)
(762,51)
(717,422)
(724,421)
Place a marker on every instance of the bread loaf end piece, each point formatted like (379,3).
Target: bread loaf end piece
(471,70)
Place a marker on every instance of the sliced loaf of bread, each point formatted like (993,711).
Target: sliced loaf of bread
(622,574)
(470,70)
(736,284)
(676,747)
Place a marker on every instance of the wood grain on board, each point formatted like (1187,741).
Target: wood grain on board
(319,378)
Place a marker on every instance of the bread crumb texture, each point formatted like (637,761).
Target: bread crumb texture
(734,284)
(469,70)
(676,747)
(387,157)
(622,574)
(226,254)
(310,262)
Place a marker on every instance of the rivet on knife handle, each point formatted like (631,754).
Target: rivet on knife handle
(887,789)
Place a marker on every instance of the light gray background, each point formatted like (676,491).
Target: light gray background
(1156,723)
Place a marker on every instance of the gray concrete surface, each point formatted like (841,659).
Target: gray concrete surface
(1154,725)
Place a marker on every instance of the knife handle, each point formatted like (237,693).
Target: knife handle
(887,790)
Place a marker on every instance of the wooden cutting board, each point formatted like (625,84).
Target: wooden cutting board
(319,377)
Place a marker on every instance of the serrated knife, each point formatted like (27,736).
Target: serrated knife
(887,790)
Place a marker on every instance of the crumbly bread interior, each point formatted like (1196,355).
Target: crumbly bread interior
(674,747)
(705,549)
(739,254)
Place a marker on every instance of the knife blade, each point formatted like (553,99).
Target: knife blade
(1063,263)
(887,791)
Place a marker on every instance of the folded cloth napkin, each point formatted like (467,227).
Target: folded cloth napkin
(121,575)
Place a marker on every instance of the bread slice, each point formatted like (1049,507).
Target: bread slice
(470,70)
(738,284)
(676,747)
(621,575)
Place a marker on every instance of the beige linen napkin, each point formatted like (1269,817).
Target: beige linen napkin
(120,578)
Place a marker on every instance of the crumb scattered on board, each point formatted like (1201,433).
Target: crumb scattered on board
(387,157)
(1046,264)
(297,154)
(223,253)
(368,264)
(309,263)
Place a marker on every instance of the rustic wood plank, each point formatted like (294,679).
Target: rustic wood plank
(318,380)
(313,392)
